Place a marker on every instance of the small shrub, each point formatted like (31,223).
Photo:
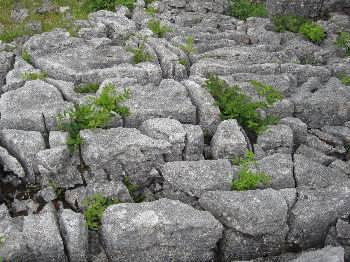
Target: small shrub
(95,206)
(188,47)
(26,57)
(140,55)
(243,9)
(234,104)
(313,32)
(247,179)
(34,76)
(344,79)
(96,113)
(269,93)
(288,22)
(343,41)
(95,5)
(158,29)
(87,88)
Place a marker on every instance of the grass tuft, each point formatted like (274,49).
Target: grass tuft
(243,9)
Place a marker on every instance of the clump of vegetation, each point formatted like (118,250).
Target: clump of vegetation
(34,76)
(26,56)
(269,93)
(58,191)
(96,113)
(343,41)
(344,78)
(140,55)
(188,46)
(298,24)
(2,240)
(243,9)
(95,206)
(313,32)
(94,5)
(183,62)
(151,10)
(132,188)
(246,178)
(87,88)
(159,30)
(234,104)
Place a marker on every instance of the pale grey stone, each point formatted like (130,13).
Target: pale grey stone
(298,127)
(194,143)
(326,254)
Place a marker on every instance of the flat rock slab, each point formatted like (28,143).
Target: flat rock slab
(195,177)
(169,99)
(326,254)
(123,151)
(73,59)
(163,230)
(32,107)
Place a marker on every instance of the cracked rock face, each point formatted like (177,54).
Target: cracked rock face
(169,162)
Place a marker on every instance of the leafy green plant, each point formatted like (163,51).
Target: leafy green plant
(34,76)
(151,10)
(140,55)
(290,22)
(132,188)
(248,179)
(95,113)
(2,240)
(188,46)
(183,61)
(95,5)
(243,9)
(313,32)
(268,92)
(343,41)
(58,191)
(158,29)
(344,78)
(87,88)
(95,206)
(26,56)
(234,104)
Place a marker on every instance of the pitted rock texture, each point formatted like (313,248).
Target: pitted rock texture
(174,151)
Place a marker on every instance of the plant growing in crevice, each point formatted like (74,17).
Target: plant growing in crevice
(151,11)
(34,76)
(270,94)
(313,32)
(95,113)
(157,28)
(95,5)
(290,22)
(94,208)
(140,55)
(343,41)
(132,188)
(344,78)
(87,88)
(243,9)
(58,191)
(234,104)
(26,56)
(248,179)
(2,239)
(188,46)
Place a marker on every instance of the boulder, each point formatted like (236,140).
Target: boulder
(229,141)
(158,231)
(326,254)
(255,221)
(194,143)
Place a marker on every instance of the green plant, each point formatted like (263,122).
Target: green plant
(151,10)
(95,206)
(87,88)
(140,55)
(188,47)
(158,29)
(95,113)
(343,41)
(58,191)
(248,179)
(95,5)
(269,93)
(132,188)
(183,61)
(313,32)
(34,76)
(234,104)
(344,78)
(243,9)
(288,22)
(26,56)
(2,240)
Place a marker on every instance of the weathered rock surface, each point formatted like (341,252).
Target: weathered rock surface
(160,230)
